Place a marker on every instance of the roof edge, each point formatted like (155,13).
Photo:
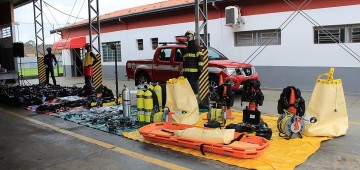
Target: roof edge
(158,10)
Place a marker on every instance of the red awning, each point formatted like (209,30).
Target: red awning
(70,43)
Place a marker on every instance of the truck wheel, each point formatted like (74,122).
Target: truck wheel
(213,84)
(142,78)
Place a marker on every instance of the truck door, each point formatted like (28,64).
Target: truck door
(178,61)
(162,68)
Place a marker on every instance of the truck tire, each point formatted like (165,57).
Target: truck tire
(213,84)
(142,78)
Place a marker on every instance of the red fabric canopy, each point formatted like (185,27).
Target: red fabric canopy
(70,43)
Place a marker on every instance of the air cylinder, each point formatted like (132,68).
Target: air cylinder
(148,105)
(126,101)
(158,92)
(140,105)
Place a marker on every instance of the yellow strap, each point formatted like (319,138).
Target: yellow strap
(330,78)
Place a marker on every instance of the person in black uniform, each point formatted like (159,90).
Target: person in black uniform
(50,62)
(193,62)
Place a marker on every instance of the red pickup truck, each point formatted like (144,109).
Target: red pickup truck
(167,63)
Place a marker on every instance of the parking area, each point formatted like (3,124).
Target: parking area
(35,141)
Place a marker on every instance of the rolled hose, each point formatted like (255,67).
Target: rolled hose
(282,122)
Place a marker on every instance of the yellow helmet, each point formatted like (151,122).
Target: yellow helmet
(190,35)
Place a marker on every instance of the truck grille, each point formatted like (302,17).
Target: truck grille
(248,71)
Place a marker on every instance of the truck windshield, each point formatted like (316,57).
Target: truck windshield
(214,54)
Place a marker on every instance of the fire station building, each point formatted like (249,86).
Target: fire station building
(289,43)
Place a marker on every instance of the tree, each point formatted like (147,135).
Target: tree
(30,43)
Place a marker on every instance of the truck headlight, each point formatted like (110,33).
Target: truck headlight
(229,71)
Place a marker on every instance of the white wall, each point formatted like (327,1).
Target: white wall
(297,47)
(66,56)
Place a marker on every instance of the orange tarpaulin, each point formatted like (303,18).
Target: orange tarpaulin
(282,153)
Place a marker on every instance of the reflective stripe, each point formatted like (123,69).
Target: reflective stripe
(192,70)
(200,63)
(199,53)
(189,55)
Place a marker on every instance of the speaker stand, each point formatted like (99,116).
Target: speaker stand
(21,79)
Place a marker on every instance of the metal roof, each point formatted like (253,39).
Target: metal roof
(160,7)
(17,3)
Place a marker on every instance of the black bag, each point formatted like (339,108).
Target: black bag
(107,93)
(283,102)
(251,116)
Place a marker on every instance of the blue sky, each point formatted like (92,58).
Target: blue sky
(24,15)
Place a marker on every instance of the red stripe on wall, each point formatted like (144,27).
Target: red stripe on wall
(249,7)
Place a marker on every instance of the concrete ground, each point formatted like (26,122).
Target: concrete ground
(35,141)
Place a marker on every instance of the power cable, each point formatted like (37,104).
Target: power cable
(328,33)
(271,38)
(21,22)
(67,21)
(62,11)
(77,55)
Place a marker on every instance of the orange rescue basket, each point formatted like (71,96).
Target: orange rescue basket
(247,147)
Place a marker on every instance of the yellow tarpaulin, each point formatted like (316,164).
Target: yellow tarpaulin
(282,153)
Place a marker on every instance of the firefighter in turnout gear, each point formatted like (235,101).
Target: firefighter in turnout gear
(89,60)
(193,62)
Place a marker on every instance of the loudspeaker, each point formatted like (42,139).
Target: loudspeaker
(18,49)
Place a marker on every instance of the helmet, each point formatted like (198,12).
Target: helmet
(87,45)
(190,35)
(48,49)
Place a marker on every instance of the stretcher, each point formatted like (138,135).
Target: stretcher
(243,146)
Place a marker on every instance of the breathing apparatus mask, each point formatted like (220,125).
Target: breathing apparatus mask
(190,36)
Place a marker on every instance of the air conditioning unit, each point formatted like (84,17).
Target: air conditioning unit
(233,16)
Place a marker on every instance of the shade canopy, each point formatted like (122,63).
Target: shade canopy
(70,43)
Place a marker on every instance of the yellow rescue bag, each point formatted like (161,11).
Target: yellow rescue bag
(327,104)
(181,98)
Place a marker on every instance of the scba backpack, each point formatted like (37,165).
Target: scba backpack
(283,102)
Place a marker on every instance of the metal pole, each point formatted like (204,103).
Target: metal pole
(39,39)
(113,47)
(197,31)
(205,19)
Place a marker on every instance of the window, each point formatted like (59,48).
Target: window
(5,32)
(165,54)
(270,37)
(202,37)
(337,34)
(259,37)
(355,34)
(109,54)
(140,44)
(154,43)
(179,55)
(329,35)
